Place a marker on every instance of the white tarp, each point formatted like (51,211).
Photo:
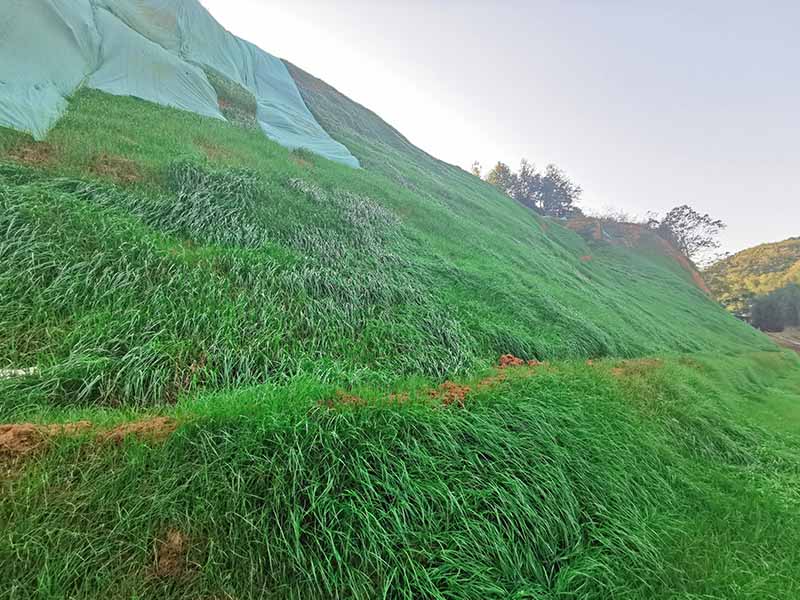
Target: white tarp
(135,66)
(151,49)
(47,47)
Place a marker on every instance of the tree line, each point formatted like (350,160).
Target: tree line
(552,193)
(777,310)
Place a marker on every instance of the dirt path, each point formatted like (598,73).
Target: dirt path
(790,338)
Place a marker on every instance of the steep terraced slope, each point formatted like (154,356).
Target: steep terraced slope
(256,373)
(225,259)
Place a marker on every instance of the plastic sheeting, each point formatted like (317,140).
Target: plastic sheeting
(135,66)
(151,49)
(47,47)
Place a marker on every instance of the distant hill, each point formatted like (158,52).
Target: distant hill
(753,272)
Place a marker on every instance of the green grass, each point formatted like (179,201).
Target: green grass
(238,286)
(572,483)
(260,265)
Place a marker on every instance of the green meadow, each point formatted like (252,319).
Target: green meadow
(296,318)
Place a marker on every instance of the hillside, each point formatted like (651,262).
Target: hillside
(754,272)
(233,369)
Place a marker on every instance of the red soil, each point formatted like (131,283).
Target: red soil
(156,429)
(36,154)
(20,439)
(451,393)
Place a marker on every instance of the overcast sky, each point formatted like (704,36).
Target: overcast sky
(645,104)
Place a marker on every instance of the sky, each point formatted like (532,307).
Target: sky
(647,105)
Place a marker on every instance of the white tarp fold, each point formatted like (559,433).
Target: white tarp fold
(151,49)
(135,66)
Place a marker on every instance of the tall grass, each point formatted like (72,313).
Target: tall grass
(563,485)
(245,284)
(266,267)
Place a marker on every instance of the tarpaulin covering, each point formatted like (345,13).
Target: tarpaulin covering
(151,49)
(134,66)
(47,47)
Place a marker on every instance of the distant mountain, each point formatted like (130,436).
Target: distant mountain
(753,272)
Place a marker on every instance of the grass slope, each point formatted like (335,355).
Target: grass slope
(230,261)
(667,480)
(155,262)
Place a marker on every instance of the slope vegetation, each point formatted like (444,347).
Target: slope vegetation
(249,372)
(229,260)
(755,272)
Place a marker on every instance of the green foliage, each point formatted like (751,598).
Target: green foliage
(693,234)
(237,104)
(754,272)
(550,193)
(777,310)
(277,264)
(570,483)
(237,286)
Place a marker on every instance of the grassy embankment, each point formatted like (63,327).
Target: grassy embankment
(155,262)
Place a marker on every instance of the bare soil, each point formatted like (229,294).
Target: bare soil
(35,154)
(157,429)
(120,169)
(171,555)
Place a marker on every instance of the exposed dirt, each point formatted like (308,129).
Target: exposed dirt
(636,366)
(491,381)
(790,338)
(214,152)
(21,439)
(451,393)
(36,154)
(301,162)
(171,555)
(157,429)
(630,235)
(400,398)
(684,262)
(120,169)
(586,258)
(509,360)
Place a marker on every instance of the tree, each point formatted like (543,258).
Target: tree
(550,193)
(777,310)
(502,178)
(558,194)
(476,169)
(692,233)
(526,185)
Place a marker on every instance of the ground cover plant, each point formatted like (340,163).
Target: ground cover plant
(640,479)
(259,264)
(253,373)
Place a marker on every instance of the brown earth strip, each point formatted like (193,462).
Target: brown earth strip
(19,440)
(117,168)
